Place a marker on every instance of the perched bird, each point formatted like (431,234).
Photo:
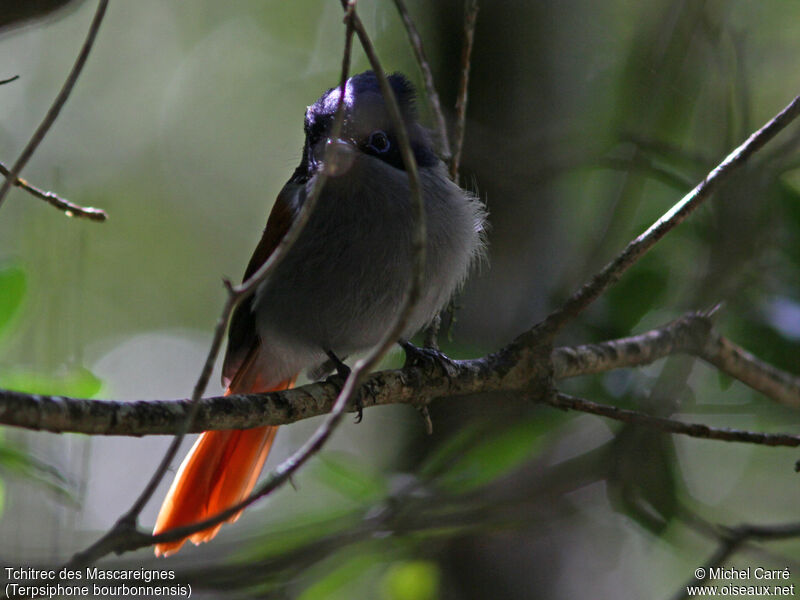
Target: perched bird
(341,284)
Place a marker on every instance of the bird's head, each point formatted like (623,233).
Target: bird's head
(367,127)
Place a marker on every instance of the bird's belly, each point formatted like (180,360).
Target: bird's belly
(349,301)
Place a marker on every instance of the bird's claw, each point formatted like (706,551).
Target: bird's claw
(427,358)
(339,378)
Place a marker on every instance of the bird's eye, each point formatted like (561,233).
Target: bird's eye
(379,142)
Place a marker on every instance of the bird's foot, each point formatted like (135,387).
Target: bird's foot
(428,359)
(340,377)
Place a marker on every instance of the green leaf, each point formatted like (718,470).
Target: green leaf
(789,200)
(494,454)
(336,583)
(412,580)
(16,461)
(637,293)
(644,479)
(449,451)
(293,533)
(78,382)
(725,381)
(344,474)
(13,283)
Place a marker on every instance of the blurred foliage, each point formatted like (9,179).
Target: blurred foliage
(476,456)
(16,461)
(411,580)
(77,382)
(586,123)
(365,536)
(12,291)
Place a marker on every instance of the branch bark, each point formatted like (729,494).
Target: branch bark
(68,208)
(691,334)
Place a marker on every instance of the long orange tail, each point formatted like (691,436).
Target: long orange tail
(220,470)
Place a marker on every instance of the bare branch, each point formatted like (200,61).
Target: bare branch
(731,539)
(470,19)
(685,335)
(58,103)
(670,425)
(431,335)
(591,290)
(69,208)
(125,528)
(427,75)
(124,536)
(763,377)
(237,294)
(691,334)
(9,80)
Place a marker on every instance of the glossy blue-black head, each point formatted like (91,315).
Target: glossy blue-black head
(367,124)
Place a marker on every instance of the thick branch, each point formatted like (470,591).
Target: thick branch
(740,364)
(691,334)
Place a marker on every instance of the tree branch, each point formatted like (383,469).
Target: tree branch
(239,293)
(124,536)
(731,539)
(427,76)
(691,334)
(670,425)
(470,19)
(58,103)
(740,364)
(69,208)
(591,290)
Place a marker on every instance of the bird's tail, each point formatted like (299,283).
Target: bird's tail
(220,470)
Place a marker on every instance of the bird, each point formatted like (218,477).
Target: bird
(340,285)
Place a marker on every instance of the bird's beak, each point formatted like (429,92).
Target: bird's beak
(336,156)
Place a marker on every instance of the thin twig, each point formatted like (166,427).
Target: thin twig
(470,19)
(427,76)
(731,539)
(70,209)
(591,290)
(697,430)
(431,336)
(9,80)
(126,525)
(128,538)
(239,293)
(58,103)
